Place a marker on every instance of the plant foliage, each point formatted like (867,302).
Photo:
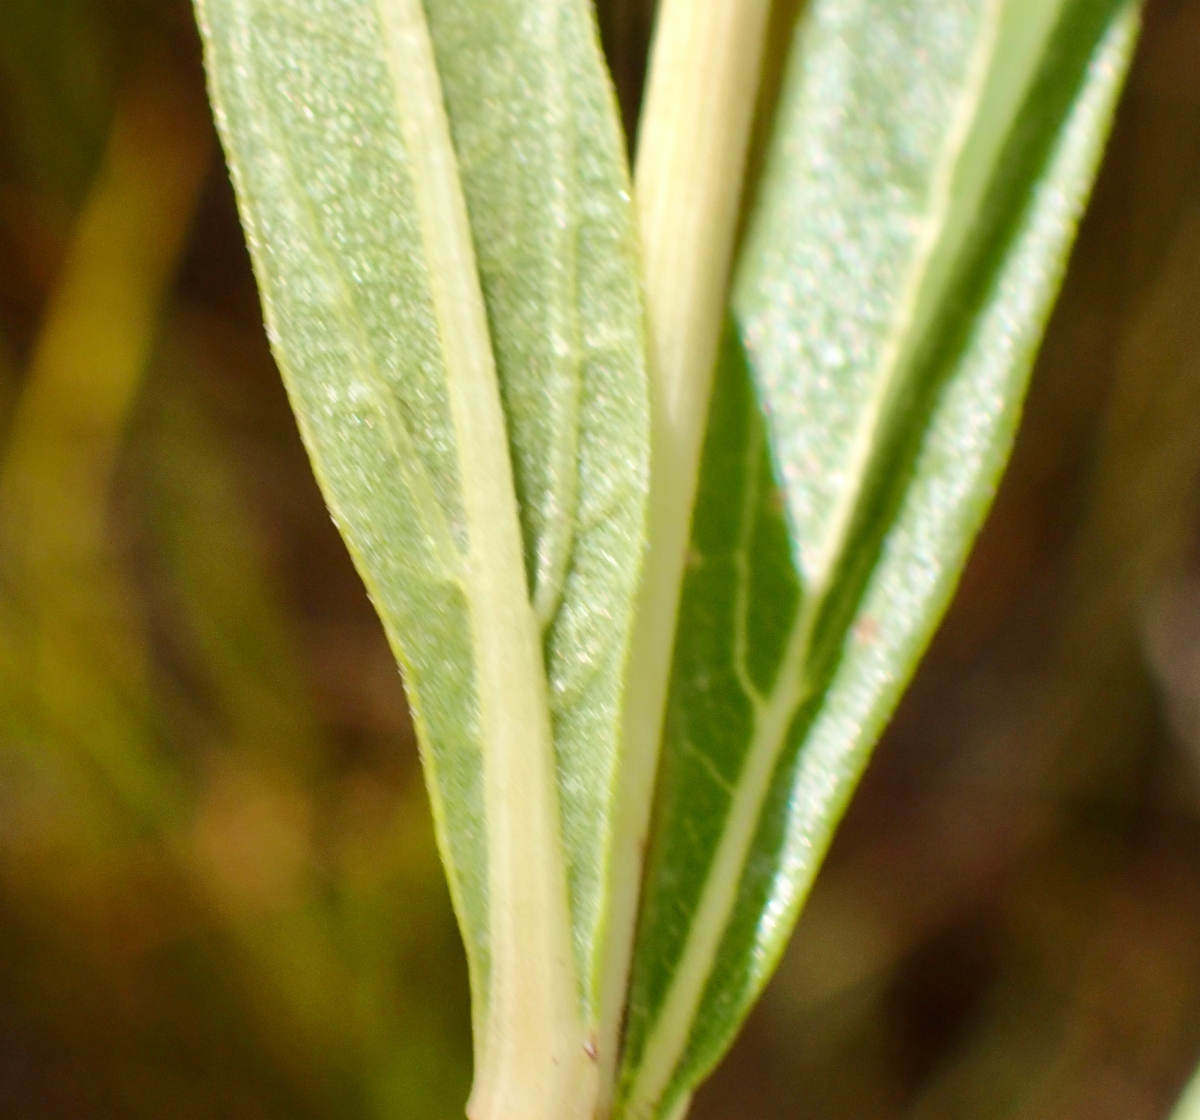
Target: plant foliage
(443,230)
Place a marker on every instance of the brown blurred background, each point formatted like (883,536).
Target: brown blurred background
(219,896)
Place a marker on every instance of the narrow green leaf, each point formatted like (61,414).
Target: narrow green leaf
(540,151)
(928,165)
(438,209)
(690,167)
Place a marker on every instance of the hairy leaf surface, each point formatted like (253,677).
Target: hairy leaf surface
(928,164)
(349,207)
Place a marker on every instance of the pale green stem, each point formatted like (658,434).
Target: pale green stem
(695,131)
(534,1060)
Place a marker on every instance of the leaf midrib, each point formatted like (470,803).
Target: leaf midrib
(773,714)
(773,717)
(821,569)
(414,476)
(532,1050)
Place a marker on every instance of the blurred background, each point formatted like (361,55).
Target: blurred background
(219,894)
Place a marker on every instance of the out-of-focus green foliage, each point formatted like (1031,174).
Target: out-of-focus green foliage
(219,894)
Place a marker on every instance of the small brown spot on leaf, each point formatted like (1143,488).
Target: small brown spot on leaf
(866,629)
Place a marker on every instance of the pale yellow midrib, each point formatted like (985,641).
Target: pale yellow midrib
(707,928)
(896,354)
(703,84)
(532,1063)
(673,1025)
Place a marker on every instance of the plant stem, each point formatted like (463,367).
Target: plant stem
(533,1062)
(704,76)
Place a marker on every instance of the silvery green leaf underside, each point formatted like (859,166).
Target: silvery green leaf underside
(928,163)
(348,177)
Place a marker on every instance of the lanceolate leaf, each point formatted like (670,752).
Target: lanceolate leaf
(438,209)
(928,164)
(540,151)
